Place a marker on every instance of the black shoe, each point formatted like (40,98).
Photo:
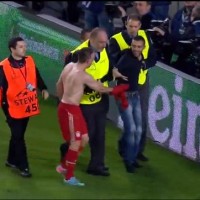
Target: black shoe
(121,153)
(142,157)
(25,173)
(13,166)
(137,165)
(105,168)
(130,168)
(98,172)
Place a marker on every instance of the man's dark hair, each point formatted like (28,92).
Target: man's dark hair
(83,32)
(13,42)
(139,38)
(84,54)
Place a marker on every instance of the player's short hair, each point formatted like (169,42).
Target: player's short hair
(84,54)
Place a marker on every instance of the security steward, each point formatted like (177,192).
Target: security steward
(19,79)
(93,104)
(117,44)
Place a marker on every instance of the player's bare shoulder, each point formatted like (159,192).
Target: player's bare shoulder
(68,66)
(87,77)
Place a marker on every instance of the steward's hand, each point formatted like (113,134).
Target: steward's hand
(45,94)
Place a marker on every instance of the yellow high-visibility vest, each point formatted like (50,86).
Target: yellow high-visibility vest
(97,70)
(123,45)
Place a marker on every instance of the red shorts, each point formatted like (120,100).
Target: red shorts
(72,122)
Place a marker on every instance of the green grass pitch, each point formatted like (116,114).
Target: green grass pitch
(165,176)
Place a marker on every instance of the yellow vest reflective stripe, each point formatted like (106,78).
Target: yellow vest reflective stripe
(120,41)
(146,48)
(142,76)
(123,45)
(97,70)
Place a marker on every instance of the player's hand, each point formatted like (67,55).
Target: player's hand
(117,90)
(45,94)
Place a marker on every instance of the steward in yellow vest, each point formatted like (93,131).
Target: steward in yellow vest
(97,70)
(100,70)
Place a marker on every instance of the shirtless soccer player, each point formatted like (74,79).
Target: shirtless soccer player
(70,88)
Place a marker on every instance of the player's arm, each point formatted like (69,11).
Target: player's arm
(59,87)
(96,85)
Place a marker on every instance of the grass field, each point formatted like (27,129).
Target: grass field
(165,176)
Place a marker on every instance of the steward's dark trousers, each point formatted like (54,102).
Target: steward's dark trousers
(17,154)
(144,99)
(95,116)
